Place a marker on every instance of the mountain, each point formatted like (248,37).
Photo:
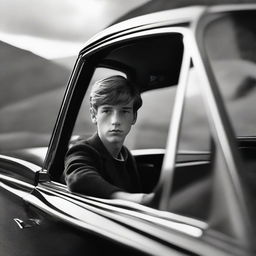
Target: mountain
(31,91)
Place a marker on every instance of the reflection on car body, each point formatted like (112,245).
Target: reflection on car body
(194,144)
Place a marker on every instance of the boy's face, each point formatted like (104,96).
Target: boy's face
(114,122)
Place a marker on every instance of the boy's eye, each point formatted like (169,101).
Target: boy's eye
(126,110)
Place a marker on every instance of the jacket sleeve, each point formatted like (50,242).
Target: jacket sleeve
(83,172)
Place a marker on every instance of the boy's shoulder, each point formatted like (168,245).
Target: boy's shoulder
(83,143)
(88,144)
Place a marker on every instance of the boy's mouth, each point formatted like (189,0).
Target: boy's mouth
(116,131)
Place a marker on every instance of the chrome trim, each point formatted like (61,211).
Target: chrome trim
(16,181)
(136,34)
(87,219)
(25,163)
(15,191)
(110,212)
(127,207)
(144,225)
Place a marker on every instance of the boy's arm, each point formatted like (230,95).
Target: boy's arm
(82,175)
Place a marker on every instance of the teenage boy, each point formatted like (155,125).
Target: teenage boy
(102,166)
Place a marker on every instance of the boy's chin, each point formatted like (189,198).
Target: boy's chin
(115,139)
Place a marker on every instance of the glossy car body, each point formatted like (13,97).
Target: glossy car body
(203,202)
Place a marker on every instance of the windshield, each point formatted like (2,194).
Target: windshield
(230,41)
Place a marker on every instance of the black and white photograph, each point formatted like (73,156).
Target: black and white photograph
(127,127)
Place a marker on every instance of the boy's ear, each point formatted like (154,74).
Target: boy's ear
(134,118)
(93,115)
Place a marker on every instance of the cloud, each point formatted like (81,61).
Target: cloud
(61,19)
(59,28)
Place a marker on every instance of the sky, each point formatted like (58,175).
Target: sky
(57,28)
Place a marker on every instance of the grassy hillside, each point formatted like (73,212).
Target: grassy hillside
(31,91)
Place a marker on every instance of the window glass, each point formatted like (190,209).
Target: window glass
(195,131)
(191,185)
(234,66)
(234,69)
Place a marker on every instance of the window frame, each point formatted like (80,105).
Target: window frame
(75,92)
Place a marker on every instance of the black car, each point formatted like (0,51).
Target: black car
(194,143)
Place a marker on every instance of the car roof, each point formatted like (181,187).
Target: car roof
(172,17)
(131,58)
(160,5)
(155,70)
(179,16)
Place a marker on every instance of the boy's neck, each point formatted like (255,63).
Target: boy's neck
(113,149)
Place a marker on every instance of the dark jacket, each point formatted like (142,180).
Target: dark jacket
(90,169)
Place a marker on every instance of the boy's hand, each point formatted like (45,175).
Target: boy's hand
(139,198)
(147,198)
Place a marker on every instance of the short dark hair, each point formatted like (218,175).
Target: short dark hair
(114,90)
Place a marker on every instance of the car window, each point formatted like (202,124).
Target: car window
(154,67)
(152,126)
(150,131)
(195,132)
(234,66)
(234,69)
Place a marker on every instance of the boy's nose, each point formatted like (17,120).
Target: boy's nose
(115,118)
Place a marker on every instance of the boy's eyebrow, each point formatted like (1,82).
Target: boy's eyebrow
(109,107)
(127,107)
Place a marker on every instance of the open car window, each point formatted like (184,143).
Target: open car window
(154,67)
(150,131)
